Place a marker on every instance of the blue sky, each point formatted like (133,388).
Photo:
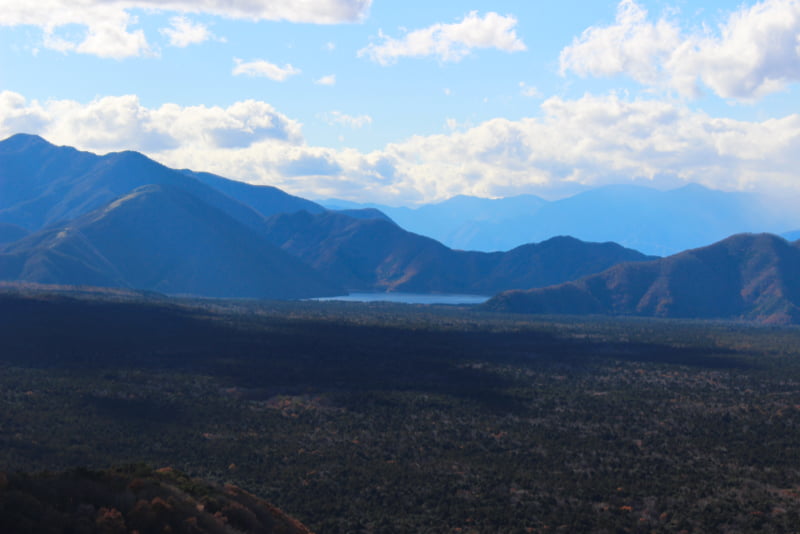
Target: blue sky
(412,102)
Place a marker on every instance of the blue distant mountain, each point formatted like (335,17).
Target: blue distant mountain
(651,221)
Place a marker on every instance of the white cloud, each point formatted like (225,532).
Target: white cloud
(342,119)
(106,24)
(591,141)
(183,32)
(330,79)
(449,42)
(122,123)
(755,52)
(264,69)
(307,11)
(108,35)
(529,90)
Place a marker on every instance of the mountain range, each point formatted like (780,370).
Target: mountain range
(746,276)
(123,220)
(649,220)
(377,255)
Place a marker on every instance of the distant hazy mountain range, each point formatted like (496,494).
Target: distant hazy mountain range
(377,255)
(651,221)
(746,276)
(123,220)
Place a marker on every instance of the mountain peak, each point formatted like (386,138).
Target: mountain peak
(22,141)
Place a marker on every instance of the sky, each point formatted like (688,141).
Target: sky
(403,103)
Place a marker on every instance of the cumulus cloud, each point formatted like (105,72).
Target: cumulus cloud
(755,52)
(330,79)
(183,32)
(263,69)
(449,42)
(342,119)
(107,25)
(107,31)
(121,123)
(591,141)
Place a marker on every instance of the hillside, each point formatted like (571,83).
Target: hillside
(266,200)
(747,276)
(377,255)
(11,232)
(134,499)
(163,239)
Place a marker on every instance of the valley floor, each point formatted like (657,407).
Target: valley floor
(383,418)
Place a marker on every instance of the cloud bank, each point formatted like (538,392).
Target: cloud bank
(587,142)
(109,25)
(756,51)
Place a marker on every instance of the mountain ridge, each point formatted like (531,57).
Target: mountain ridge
(745,276)
(652,221)
(378,255)
(161,238)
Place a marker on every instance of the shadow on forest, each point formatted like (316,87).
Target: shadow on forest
(283,354)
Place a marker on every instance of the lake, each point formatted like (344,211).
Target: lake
(410,298)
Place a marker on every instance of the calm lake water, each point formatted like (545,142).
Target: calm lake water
(411,298)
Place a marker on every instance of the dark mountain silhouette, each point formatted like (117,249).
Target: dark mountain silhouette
(746,276)
(377,255)
(642,218)
(164,239)
(134,499)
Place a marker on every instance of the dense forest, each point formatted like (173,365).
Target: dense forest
(379,418)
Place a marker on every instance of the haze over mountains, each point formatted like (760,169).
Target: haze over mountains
(651,221)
